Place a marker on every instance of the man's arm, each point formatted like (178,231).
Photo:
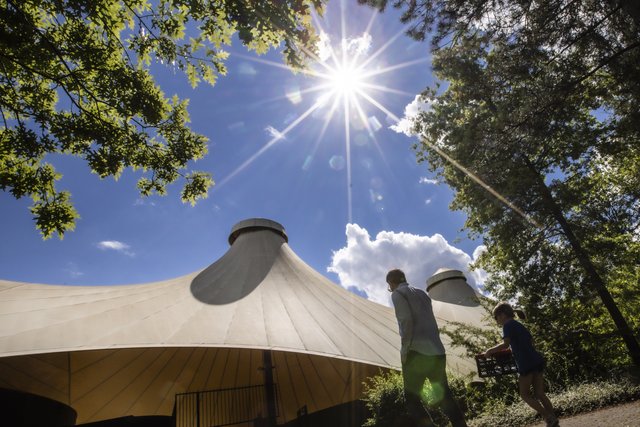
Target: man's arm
(405,322)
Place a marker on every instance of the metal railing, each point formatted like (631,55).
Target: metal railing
(241,406)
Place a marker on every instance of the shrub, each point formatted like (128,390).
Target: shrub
(485,406)
(384,399)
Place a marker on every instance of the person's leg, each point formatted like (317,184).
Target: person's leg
(524,384)
(413,376)
(437,375)
(540,395)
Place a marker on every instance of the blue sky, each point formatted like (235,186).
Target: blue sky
(345,185)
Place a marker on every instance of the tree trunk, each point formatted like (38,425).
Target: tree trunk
(593,277)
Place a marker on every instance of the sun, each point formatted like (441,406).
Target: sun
(344,84)
(346,79)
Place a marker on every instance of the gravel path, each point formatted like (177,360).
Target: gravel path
(625,415)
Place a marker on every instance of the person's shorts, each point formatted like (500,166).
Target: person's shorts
(537,368)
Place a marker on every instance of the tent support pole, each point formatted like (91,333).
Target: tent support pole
(270,391)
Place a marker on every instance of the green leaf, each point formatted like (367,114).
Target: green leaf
(76,81)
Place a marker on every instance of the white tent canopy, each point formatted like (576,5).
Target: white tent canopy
(111,351)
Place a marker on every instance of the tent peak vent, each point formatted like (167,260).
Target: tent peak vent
(255,224)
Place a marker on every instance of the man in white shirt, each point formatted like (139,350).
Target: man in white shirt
(422,353)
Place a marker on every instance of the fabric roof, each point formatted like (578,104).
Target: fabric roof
(111,351)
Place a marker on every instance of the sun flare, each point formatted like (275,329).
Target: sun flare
(344,84)
(345,79)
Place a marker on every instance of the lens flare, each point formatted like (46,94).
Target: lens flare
(345,74)
(346,80)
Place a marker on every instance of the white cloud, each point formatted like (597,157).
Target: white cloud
(479,251)
(274,133)
(425,180)
(114,245)
(324,46)
(428,201)
(358,45)
(411,111)
(364,262)
(482,274)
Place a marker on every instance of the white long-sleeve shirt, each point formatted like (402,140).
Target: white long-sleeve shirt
(418,327)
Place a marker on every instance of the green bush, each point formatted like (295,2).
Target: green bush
(484,407)
(385,399)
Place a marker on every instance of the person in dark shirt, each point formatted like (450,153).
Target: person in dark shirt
(529,361)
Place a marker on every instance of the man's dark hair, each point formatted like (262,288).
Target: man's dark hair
(396,276)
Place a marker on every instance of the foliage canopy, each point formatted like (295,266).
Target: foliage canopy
(536,126)
(75,80)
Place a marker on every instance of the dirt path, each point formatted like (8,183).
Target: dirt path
(625,415)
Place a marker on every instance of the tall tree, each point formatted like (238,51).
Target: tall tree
(75,80)
(537,128)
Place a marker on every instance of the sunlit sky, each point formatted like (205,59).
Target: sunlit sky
(321,152)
